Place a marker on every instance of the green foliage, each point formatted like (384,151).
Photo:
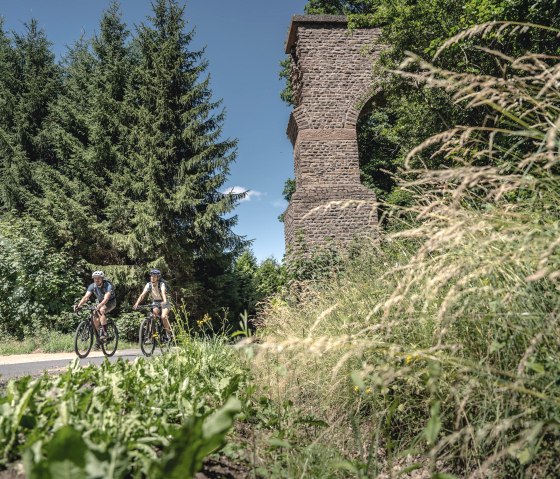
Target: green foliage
(289,189)
(199,437)
(129,325)
(287,192)
(37,282)
(148,418)
(306,265)
(405,113)
(116,153)
(256,283)
(439,342)
(339,7)
(31,80)
(285,71)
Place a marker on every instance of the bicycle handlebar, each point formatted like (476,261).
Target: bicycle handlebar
(89,306)
(149,306)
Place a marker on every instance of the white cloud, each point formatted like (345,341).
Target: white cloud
(240,189)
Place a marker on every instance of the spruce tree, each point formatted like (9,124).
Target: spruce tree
(31,81)
(88,133)
(10,170)
(178,162)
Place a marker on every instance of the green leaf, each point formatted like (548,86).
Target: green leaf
(346,466)
(537,367)
(67,444)
(199,437)
(412,467)
(443,475)
(222,420)
(525,456)
(277,442)
(66,470)
(434,424)
(496,346)
(64,457)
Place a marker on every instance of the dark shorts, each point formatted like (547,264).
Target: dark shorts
(111,304)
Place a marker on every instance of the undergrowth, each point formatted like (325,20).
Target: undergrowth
(436,350)
(148,418)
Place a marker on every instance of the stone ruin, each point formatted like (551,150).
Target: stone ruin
(331,80)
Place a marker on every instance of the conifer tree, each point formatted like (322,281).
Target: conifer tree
(178,162)
(88,133)
(31,81)
(9,169)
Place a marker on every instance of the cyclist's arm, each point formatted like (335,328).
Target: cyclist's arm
(141,297)
(163,293)
(83,300)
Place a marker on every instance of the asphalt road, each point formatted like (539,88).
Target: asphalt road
(35,364)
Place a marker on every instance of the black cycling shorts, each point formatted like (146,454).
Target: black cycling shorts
(111,304)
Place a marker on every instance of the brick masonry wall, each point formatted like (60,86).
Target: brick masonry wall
(331,81)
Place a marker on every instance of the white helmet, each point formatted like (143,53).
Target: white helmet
(97,274)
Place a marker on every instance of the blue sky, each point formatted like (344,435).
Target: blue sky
(244,42)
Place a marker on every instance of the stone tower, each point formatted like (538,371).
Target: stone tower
(331,82)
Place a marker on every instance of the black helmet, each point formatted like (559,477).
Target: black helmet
(154,272)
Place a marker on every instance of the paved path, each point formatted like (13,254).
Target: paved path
(34,364)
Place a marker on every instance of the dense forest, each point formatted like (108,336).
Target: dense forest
(113,159)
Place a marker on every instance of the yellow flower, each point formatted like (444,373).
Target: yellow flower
(205,319)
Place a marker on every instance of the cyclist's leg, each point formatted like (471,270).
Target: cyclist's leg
(96,322)
(96,325)
(103,315)
(103,310)
(107,308)
(165,318)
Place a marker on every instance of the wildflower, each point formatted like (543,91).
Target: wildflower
(205,319)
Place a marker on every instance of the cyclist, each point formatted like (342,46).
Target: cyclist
(105,294)
(157,288)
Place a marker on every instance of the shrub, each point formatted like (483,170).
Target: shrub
(129,325)
(149,418)
(37,282)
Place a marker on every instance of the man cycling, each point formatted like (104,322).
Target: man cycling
(105,295)
(157,288)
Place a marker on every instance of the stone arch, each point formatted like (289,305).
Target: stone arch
(361,104)
(331,82)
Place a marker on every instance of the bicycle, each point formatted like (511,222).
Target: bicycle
(151,331)
(86,331)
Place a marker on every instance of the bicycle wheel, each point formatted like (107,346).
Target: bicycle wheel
(145,337)
(83,340)
(109,346)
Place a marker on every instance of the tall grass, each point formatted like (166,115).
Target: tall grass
(439,348)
